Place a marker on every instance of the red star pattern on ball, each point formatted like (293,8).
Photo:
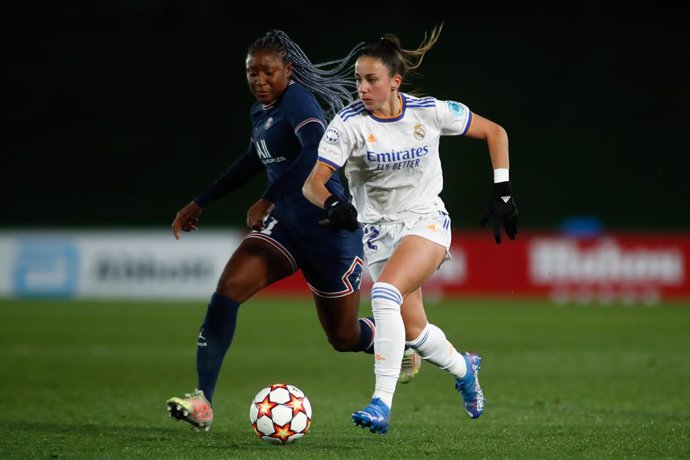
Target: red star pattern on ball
(265,407)
(297,405)
(282,432)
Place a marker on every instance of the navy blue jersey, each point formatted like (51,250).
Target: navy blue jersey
(285,137)
(285,140)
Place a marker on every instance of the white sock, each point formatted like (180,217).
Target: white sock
(389,342)
(433,347)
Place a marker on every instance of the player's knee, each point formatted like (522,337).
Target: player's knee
(342,345)
(413,330)
(236,288)
(239,296)
(343,341)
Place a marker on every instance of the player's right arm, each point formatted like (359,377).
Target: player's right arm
(334,150)
(341,213)
(186,219)
(238,174)
(314,188)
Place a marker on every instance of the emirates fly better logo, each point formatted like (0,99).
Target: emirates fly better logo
(397,159)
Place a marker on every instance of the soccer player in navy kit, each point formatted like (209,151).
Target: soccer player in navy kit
(287,125)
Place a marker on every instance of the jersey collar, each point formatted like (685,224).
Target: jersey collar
(273,102)
(382,119)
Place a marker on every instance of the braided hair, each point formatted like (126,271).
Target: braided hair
(331,81)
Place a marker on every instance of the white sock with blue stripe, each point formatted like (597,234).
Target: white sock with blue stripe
(389,342)
(433,346)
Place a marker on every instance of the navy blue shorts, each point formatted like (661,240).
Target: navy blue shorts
(331,263)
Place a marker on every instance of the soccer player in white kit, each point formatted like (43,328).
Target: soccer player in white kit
(388,143)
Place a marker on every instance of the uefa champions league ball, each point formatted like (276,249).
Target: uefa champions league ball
(280,414)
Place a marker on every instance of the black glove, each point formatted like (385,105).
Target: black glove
(341,213)
(503,210)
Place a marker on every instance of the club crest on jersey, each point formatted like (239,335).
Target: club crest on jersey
(419,132)
(332,136)
(268,123)
(456,108)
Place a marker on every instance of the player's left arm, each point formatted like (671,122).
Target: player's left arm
(502,208)
(306,119)
(495,136)
(309,137)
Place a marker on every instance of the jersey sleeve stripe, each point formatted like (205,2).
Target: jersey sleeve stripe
(412,101)
(420,101)
(328,163)
(307,121)
(357,105)
(469,124)
(345,116)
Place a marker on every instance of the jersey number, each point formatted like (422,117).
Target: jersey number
(268,225)
(372,233)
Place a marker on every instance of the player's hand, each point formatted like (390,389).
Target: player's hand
(341,213)
(187,219)
(503,211)
(257,213)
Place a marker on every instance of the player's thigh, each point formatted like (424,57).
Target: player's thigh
(412,263)
(339,316)
(408,252)
(255,264)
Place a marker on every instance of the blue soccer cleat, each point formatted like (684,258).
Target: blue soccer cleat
(376,416)
(468,386)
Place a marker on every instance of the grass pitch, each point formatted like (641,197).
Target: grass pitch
(89,380)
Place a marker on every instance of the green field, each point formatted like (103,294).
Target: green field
(90,380)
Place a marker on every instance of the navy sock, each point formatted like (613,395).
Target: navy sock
(214,340)
(367,327)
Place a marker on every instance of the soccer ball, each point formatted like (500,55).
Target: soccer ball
(280,414)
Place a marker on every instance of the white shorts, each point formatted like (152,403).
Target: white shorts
(380,240)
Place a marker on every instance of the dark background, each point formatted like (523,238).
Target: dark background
(116,113)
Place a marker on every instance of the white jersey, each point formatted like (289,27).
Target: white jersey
(392,164)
